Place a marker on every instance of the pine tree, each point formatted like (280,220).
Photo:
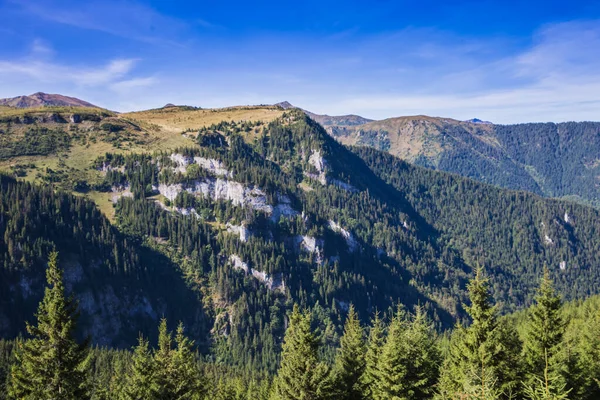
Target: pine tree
(408,366)
(138,384)
(546,331)
(589,356)
(548,387)
(350,360)
(481,353)
(301,375)
(163,385)
(374,348)
(52,365)
(188,382)
(176,372)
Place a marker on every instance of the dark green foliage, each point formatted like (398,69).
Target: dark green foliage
(483,358)
(373,354)
(301,375)
(138,382)
(35,141)
(175,372)
(350,361)
(408,367)
(545,333)
(508,229)
(100,261)
(51,364)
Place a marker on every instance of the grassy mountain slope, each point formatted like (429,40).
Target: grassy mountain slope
(40,99)
(57,145)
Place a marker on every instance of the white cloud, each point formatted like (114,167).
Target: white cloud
(41,48)
(45,71)
(556,78)
(127,86)
(127,19)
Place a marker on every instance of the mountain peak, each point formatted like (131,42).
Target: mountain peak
(478,121)
(285,105)
(41,99)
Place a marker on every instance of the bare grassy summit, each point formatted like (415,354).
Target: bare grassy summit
(40,99)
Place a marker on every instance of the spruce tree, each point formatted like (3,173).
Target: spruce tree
(480,354)
(589,359)
(163,385)
(188,382)
(51,364)
(545,332)
(350,360)
(374,348)
(301,376)
(176,374)
(408,366)
(548,387)
(138,384)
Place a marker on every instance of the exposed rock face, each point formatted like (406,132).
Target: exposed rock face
(283,208)
(563,265)
(311,245)
(548,239)
(344,305)
(350,240)
(241,230)
(238,263)
(320,164)
(214,166)
(273,282)
(119,192)
(344,185)
(317,160)
(181,161)
(221,189)
(210,164)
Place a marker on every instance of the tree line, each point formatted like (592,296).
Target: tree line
(399,357)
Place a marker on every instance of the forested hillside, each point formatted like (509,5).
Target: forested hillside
(227,233)
(548,351)
(553,160)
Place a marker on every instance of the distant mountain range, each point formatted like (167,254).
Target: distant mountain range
(40,99)
(328,120)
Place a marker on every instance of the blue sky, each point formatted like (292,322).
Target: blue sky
(504,61)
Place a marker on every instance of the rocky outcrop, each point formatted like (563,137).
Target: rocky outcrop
(181,162)
(311,245)
(350,240)
(273,282)
(320,164)
(237,263)
(214,166)
(241,230)
(283,209)
(221,189)
(120,191)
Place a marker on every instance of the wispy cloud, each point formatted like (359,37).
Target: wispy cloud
(129,85)
(127,19)
(44,71)
(556,78)
(40,48)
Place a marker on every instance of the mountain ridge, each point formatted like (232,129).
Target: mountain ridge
(40,99)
